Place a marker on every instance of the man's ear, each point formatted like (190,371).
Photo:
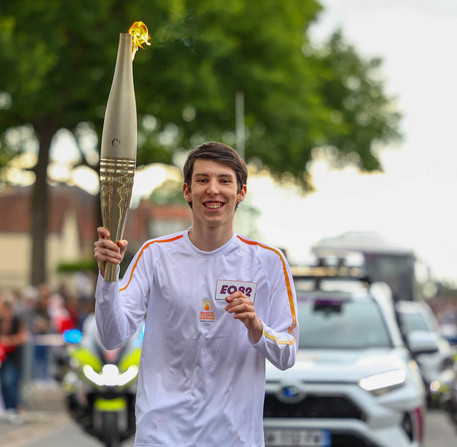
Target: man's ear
(242,194)
(186,192)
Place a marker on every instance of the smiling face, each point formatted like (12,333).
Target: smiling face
(214,195)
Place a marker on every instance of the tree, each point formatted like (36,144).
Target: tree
(60,58)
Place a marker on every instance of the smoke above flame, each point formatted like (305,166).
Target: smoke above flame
(140,36)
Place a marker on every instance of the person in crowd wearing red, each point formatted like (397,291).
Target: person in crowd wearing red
(13,335)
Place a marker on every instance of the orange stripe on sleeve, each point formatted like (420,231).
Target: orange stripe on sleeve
(141,254)
(286,277)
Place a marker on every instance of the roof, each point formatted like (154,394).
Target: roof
(320,272)
(16,209)
(16,213)
(362,241)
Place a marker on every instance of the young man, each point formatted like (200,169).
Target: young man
(215,306)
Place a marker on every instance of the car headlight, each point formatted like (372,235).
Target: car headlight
(384,382)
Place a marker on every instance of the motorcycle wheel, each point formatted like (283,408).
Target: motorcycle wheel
(110,429)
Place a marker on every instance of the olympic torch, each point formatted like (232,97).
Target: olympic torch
(119,140)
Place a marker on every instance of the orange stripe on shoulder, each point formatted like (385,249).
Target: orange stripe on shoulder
(141,254)
(286,277)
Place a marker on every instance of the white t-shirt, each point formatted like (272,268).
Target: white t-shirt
(201,380)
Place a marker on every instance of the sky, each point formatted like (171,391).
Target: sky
(412,203)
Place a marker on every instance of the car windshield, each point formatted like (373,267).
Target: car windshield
(414,322)
(328,322)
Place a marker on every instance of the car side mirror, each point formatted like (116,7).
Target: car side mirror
(422,342)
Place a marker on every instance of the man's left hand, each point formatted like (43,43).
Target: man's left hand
(243,309)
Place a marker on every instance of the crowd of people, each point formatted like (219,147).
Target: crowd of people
(32,321)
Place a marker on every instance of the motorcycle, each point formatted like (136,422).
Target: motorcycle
(100,384)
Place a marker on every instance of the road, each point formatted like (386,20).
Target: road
(59,430)
(47,424)
(439,431)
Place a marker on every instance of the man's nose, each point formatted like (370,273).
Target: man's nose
(213,187)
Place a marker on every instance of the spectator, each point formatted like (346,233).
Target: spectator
(13,335)
(60,316)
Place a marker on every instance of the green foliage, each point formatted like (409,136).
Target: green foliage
(169,192)
(6,155)
(83,265)
(358,113)
(61,55)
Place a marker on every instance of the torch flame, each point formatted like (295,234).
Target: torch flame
(140,36)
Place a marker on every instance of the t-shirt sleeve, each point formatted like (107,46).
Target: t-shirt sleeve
(280,335)
(120,307)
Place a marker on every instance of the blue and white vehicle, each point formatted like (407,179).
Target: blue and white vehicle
(354,382)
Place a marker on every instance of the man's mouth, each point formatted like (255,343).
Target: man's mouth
(213,205)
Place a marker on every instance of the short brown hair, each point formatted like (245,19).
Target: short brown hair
(221,153)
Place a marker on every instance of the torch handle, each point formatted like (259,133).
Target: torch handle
(110,273)
(116,179)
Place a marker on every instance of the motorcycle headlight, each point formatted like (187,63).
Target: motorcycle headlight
(384,382)
(110,375)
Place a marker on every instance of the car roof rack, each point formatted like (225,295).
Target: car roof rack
(330,272)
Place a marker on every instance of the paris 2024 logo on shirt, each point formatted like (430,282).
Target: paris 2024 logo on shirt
(207,315)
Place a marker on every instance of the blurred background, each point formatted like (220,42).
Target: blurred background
(344,112)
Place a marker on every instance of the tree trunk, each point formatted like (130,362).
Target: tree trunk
(40,206)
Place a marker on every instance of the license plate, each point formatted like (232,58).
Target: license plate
(298,438)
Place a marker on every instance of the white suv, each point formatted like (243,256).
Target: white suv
(354,382)
(416,319)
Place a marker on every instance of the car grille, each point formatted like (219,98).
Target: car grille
(312,406)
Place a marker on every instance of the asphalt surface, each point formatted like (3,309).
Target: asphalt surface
(45,422)
(42,413)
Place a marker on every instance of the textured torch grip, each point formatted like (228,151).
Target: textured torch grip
(116,182)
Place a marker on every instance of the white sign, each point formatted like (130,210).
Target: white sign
(224,288)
